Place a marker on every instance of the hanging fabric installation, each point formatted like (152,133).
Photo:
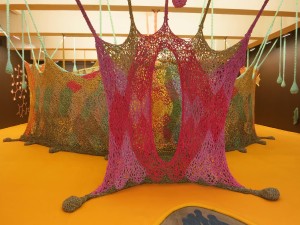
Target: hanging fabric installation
(206,92)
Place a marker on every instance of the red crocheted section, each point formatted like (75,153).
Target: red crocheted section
(74,86)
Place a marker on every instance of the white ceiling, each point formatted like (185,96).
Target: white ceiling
(181,23)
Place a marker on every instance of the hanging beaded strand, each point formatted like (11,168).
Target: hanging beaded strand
(24,84)
(111,22)
(283,64)
(279,79)
(202,10)
(9,68)
(295,89)
(212,25)
(74,51)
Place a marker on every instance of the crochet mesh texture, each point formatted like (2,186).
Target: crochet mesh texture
(63,115)
(240,128)
(166,110)
(206,79)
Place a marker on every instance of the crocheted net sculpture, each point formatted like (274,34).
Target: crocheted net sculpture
(64,116)
(166,111)
(206,92)
(239,127)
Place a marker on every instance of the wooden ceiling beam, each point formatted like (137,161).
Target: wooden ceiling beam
(275,35)
(18,34)
(87,7)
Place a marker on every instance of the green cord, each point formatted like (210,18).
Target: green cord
(35,27)
(74,66)
(30,42)
(202,11)
(9,68)
(212,23)
(59,44)
(248,57)
(12,44)
(100,15)
(24,84)
(111,22)
(40,51)
(294,89)
(283,64)
(279,79)
(267,54)
(263,45)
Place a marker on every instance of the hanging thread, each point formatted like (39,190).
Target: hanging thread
(248,53)
(266,56)
(295,89)
(202,11)
(12,44)
(283,63)
(147,23)
(264,43)
(84,62)
(64,57)
(24,84)
(262,46)
(155,20)
(100,15)
(279,79)
(30,43)
(57,47)
(74,46)
(40,51)
(35,27)
(212,25)
(111,22)
(9,68)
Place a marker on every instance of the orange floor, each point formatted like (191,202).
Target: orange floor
(34,183)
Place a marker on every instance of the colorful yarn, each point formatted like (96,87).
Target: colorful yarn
(206,79)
